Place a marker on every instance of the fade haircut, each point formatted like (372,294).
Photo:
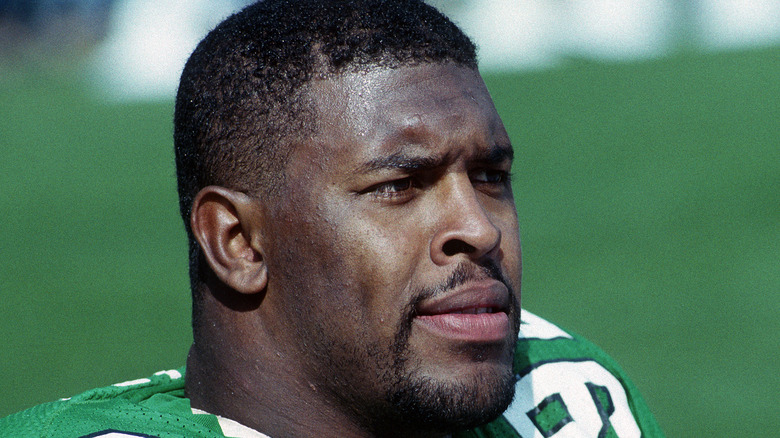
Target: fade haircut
(242,104)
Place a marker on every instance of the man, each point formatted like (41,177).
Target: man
(354,249)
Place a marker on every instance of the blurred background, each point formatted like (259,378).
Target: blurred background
(647,181)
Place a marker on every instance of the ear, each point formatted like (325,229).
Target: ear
(227,225)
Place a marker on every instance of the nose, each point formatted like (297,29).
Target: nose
(464,226)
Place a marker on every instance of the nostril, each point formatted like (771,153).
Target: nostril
(457,246)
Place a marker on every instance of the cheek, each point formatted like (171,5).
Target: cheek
(510,233)
(382,264)
(351,267)
(511,251)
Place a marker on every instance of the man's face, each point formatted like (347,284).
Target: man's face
(393,254)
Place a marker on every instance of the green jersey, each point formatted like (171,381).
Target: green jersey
(566,387)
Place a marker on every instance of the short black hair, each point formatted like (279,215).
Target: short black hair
(242,105)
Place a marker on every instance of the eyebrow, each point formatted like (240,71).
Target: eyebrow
(401,160)
(496,154)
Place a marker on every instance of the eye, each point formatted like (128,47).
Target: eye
(490,176)
(393,189)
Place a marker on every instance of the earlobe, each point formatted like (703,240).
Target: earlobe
(227,225)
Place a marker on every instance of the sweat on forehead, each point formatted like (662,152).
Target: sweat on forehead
(411,105)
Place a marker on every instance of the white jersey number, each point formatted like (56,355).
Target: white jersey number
(571,400)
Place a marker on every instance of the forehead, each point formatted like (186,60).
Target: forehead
(428,106)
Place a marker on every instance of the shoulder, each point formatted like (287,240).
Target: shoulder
(149,407)
(567,386)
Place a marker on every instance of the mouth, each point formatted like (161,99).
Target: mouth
(475,313)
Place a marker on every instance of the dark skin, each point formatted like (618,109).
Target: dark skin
(391,257)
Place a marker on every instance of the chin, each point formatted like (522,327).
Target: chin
(465,397)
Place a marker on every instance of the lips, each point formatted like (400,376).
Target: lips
(478,312)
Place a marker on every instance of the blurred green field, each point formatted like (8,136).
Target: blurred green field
(649,202)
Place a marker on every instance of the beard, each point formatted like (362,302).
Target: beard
(384,386)
(424,403)
(441,405)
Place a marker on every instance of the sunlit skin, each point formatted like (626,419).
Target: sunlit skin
(390,254)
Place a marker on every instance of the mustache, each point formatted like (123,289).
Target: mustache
(463,273)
